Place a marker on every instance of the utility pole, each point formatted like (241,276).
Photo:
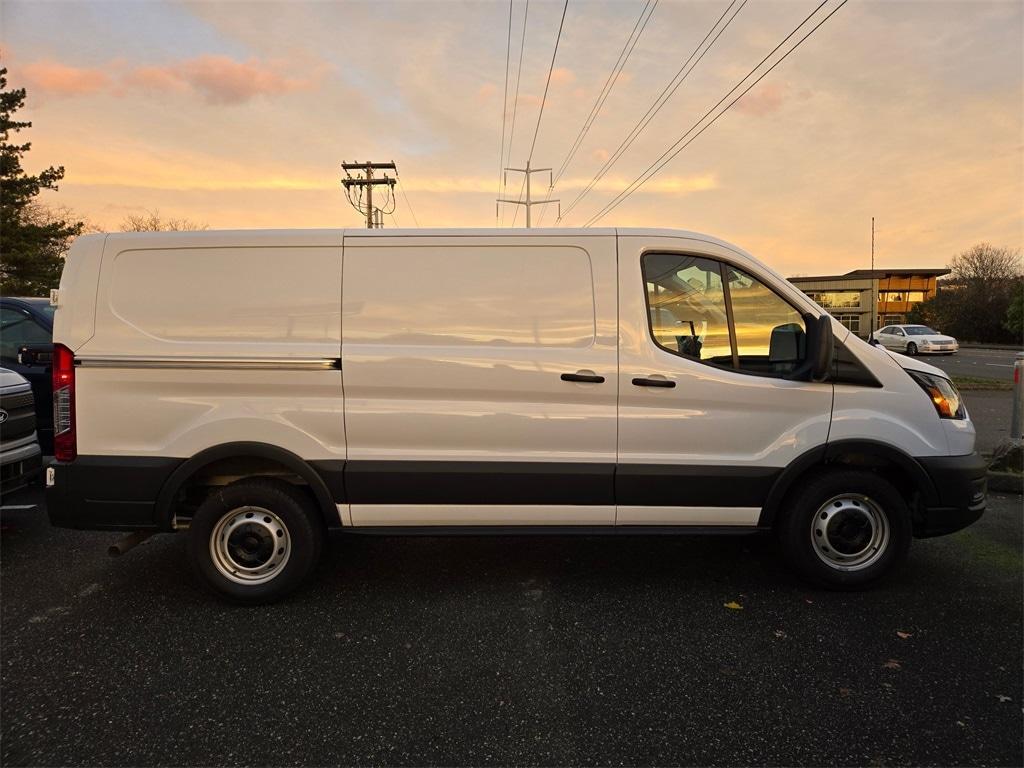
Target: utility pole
(529,202)
(369,182)
(871,321)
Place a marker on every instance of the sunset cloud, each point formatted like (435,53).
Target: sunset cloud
(762,101)
(56,79)
(562,76)
(217,79)
(222,80)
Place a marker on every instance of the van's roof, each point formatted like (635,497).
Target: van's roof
(256,234)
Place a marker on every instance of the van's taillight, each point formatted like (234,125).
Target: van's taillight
(65,441)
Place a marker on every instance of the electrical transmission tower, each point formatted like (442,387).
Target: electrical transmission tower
(354,187)
(529,202)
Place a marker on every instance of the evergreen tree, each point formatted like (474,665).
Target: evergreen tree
(33,239)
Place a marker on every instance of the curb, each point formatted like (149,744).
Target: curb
(1005,347)
(1006,482)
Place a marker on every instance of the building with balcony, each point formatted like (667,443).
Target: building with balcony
(886,294)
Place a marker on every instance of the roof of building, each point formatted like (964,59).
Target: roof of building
(864,274)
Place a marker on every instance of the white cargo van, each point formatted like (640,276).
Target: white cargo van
(257,389)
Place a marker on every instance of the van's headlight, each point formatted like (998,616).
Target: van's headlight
(943,394)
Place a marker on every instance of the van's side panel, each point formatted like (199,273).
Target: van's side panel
(203,339)
(718,440)
(453,353)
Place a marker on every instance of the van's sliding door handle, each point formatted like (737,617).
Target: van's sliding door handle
(588,378)
(654,383)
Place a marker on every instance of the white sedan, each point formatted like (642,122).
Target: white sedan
(914,340)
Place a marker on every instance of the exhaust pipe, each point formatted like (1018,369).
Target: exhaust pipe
(130,541)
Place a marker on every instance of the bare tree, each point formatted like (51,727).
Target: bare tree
(977,302)
(152,221)
(985,263)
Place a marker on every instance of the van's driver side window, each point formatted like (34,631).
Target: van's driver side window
(686,303)
(706,310)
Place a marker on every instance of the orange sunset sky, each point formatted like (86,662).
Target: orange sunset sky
(238,114)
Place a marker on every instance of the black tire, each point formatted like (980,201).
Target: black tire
(911,349)
(285,505)
(799,522)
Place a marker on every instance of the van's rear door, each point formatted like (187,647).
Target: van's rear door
(480,378)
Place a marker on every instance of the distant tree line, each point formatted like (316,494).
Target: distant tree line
(35,238)
(982,300)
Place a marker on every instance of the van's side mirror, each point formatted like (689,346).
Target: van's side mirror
(35,355)
(820,346)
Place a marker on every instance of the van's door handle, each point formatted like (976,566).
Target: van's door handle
(588,378)
(654,383)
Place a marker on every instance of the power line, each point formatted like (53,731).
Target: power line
(606,89)
(543,101)
(515,101)
(401,188)
(666,93)
(675,149)
(504,108)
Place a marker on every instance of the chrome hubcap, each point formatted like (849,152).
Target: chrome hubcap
(250,545)
(849,532)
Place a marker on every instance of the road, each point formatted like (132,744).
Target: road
(980,363)
(430,651)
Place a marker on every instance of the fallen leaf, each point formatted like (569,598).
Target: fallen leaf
(903,635)
(780,633)
(1003,698)
(892,664)
(734,605)
(961,723)
(808,601)
(844,691)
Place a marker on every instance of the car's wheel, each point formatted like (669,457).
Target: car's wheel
(845,529)
(256,540)
(911,348)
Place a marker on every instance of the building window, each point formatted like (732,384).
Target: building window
(833,299)
(850,321)
(913,297)
(890,320)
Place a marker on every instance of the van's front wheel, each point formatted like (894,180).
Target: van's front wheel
(846,529)
(255,541)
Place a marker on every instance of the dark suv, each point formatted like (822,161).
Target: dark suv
(20,457)
(26,346)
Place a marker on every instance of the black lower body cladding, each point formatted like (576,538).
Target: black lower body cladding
(960,487)
(118,493)
(108,493)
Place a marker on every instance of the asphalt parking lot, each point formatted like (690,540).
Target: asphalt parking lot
(976,363)
(493,651)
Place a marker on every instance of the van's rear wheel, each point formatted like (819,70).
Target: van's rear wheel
(255,541)
(846,529)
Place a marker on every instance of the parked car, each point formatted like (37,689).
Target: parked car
(915,340)
(257,389)
(26,344)
(20,455)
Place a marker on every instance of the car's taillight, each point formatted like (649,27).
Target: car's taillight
(65,441)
